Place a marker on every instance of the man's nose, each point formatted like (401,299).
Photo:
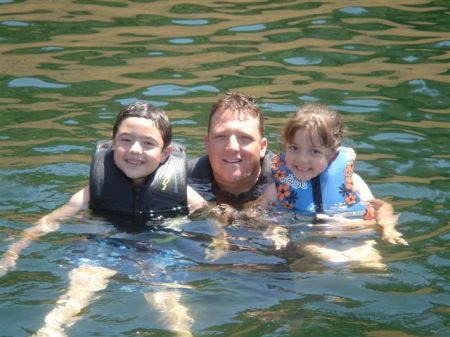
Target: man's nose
(233,143)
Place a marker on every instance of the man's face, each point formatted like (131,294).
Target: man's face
(235,148)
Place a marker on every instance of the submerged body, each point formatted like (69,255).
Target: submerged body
(315,177)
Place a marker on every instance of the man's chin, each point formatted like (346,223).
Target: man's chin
(240,178)
(235,176)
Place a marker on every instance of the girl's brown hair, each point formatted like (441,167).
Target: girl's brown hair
(318,120)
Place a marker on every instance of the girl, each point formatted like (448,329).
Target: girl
(315,174)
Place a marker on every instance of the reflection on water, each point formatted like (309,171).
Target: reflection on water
(68,66)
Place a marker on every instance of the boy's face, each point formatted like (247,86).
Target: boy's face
(138,148)
(305,157)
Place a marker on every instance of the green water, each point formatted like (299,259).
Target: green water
(67,67)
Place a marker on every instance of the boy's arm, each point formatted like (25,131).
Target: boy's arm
(78,202)
(46,224)
(195,200)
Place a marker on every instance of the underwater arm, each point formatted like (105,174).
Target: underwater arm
(49,223)
(45,225)
(253,209)
(387,220)
(219,217)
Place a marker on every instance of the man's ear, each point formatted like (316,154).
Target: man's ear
(263,144)
(166,152)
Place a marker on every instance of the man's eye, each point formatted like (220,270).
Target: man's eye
(246,139)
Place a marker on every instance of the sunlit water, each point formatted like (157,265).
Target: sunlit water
(67,67)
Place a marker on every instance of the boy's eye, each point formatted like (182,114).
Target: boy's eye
(149,144)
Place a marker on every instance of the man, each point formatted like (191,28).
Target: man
(236,166)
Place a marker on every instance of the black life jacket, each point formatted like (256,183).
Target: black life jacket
(164,192)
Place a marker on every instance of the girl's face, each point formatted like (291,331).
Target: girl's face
(138,148)
(305,157)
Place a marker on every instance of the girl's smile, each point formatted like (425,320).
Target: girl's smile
(304,157)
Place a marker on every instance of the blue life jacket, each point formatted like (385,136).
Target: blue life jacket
(331,192)
(164,192)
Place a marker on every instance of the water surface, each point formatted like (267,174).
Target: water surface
(67,67)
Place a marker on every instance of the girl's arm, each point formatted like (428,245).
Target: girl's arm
(384,212)
(387,220)
(269,196)
(362,188)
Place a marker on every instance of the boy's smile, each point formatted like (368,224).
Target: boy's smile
(138,148)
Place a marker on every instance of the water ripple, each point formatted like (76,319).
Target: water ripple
(35,82)
(67,68)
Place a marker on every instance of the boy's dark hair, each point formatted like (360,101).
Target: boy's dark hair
(148,111)
(241,105)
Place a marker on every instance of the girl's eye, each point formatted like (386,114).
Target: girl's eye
(317,152)
(293,147)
